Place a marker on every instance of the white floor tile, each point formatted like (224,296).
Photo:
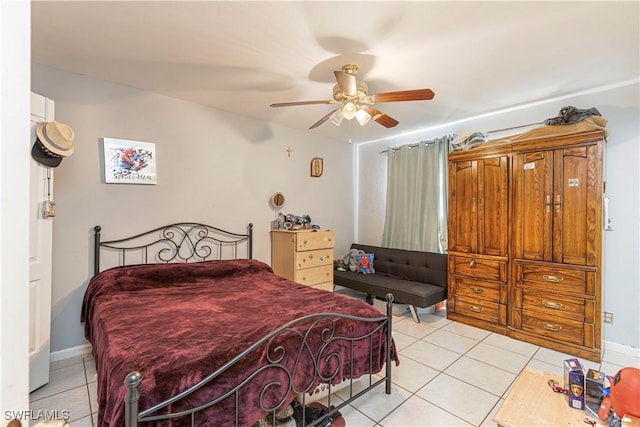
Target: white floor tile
(75,401)
(436,320)
(431,355)
(610,368)
(413,329)
(466,331)
(402,340)
(498,357)
(508,343)
(411,375)
(355,418)
(621,359)
(549,368)
(488,421)
(83,422)
(90,370)
(557,358)
(479,374)
(377,404)
(60,380)
(418,412)
(93,396)
(451,341)
(457,397)
(65,362)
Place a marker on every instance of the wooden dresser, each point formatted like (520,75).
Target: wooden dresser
(304,256)
(525,239)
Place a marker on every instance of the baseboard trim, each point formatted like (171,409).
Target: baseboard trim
(68,353)
(621,348)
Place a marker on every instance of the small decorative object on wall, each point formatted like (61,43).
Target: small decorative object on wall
(316,167)
(129,162)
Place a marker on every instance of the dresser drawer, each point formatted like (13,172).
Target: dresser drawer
(477,289)
(326,286)
(541,277)
(318,239)
(314,275)
(481,268)
(554,305)
(477,308)
(553,327)
(308,259)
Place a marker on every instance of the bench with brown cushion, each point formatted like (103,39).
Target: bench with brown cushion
(416,278)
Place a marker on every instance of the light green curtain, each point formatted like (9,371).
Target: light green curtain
(416,211)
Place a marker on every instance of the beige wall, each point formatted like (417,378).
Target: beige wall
(213,167)
(620,106)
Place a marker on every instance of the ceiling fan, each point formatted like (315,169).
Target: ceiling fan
(355,101)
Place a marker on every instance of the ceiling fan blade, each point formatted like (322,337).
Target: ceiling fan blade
(403,95)
(324,119)
(346,82)
(380,117)
(291,104)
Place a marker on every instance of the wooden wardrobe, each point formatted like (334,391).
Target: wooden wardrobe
(525,240)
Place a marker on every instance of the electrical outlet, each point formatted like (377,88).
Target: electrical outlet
(608,317)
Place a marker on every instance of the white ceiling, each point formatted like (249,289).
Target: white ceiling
(478,57)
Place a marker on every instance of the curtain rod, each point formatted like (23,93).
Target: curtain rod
(386,150)
(407,145)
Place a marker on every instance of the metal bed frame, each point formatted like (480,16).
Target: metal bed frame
(192,242)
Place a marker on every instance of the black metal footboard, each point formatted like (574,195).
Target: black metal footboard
(324,327)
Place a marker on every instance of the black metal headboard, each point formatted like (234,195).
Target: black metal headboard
(180,242)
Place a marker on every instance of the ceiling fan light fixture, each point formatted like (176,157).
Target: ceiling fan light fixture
(363,117)
(336,117)
(349,110)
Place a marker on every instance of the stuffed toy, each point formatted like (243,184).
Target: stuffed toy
(364,264)
(349,259)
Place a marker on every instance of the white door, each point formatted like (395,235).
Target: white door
(40,259)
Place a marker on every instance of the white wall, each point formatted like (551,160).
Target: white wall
(213,167)
(15,57)
(620,106)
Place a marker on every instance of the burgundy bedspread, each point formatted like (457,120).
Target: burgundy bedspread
(177,323)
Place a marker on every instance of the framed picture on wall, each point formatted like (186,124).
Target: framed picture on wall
(316,167)
(129,162)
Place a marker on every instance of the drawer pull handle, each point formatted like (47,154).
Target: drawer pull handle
(472,263)
(554,279)
(552,304)
(321,258)
(476,308)
(550,327)
(477,290)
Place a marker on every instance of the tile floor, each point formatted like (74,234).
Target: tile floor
(450,374)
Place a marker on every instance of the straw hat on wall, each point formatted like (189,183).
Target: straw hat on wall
(54,142)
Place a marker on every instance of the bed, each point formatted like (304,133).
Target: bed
(187,329)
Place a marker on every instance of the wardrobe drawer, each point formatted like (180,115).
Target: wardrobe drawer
(477,308)
(308,259)
(553,327)
(554,305)
(548,278)
(481,268)
(471,288)
(318,239)
(314,275)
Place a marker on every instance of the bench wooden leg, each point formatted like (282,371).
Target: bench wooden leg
(414,314)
